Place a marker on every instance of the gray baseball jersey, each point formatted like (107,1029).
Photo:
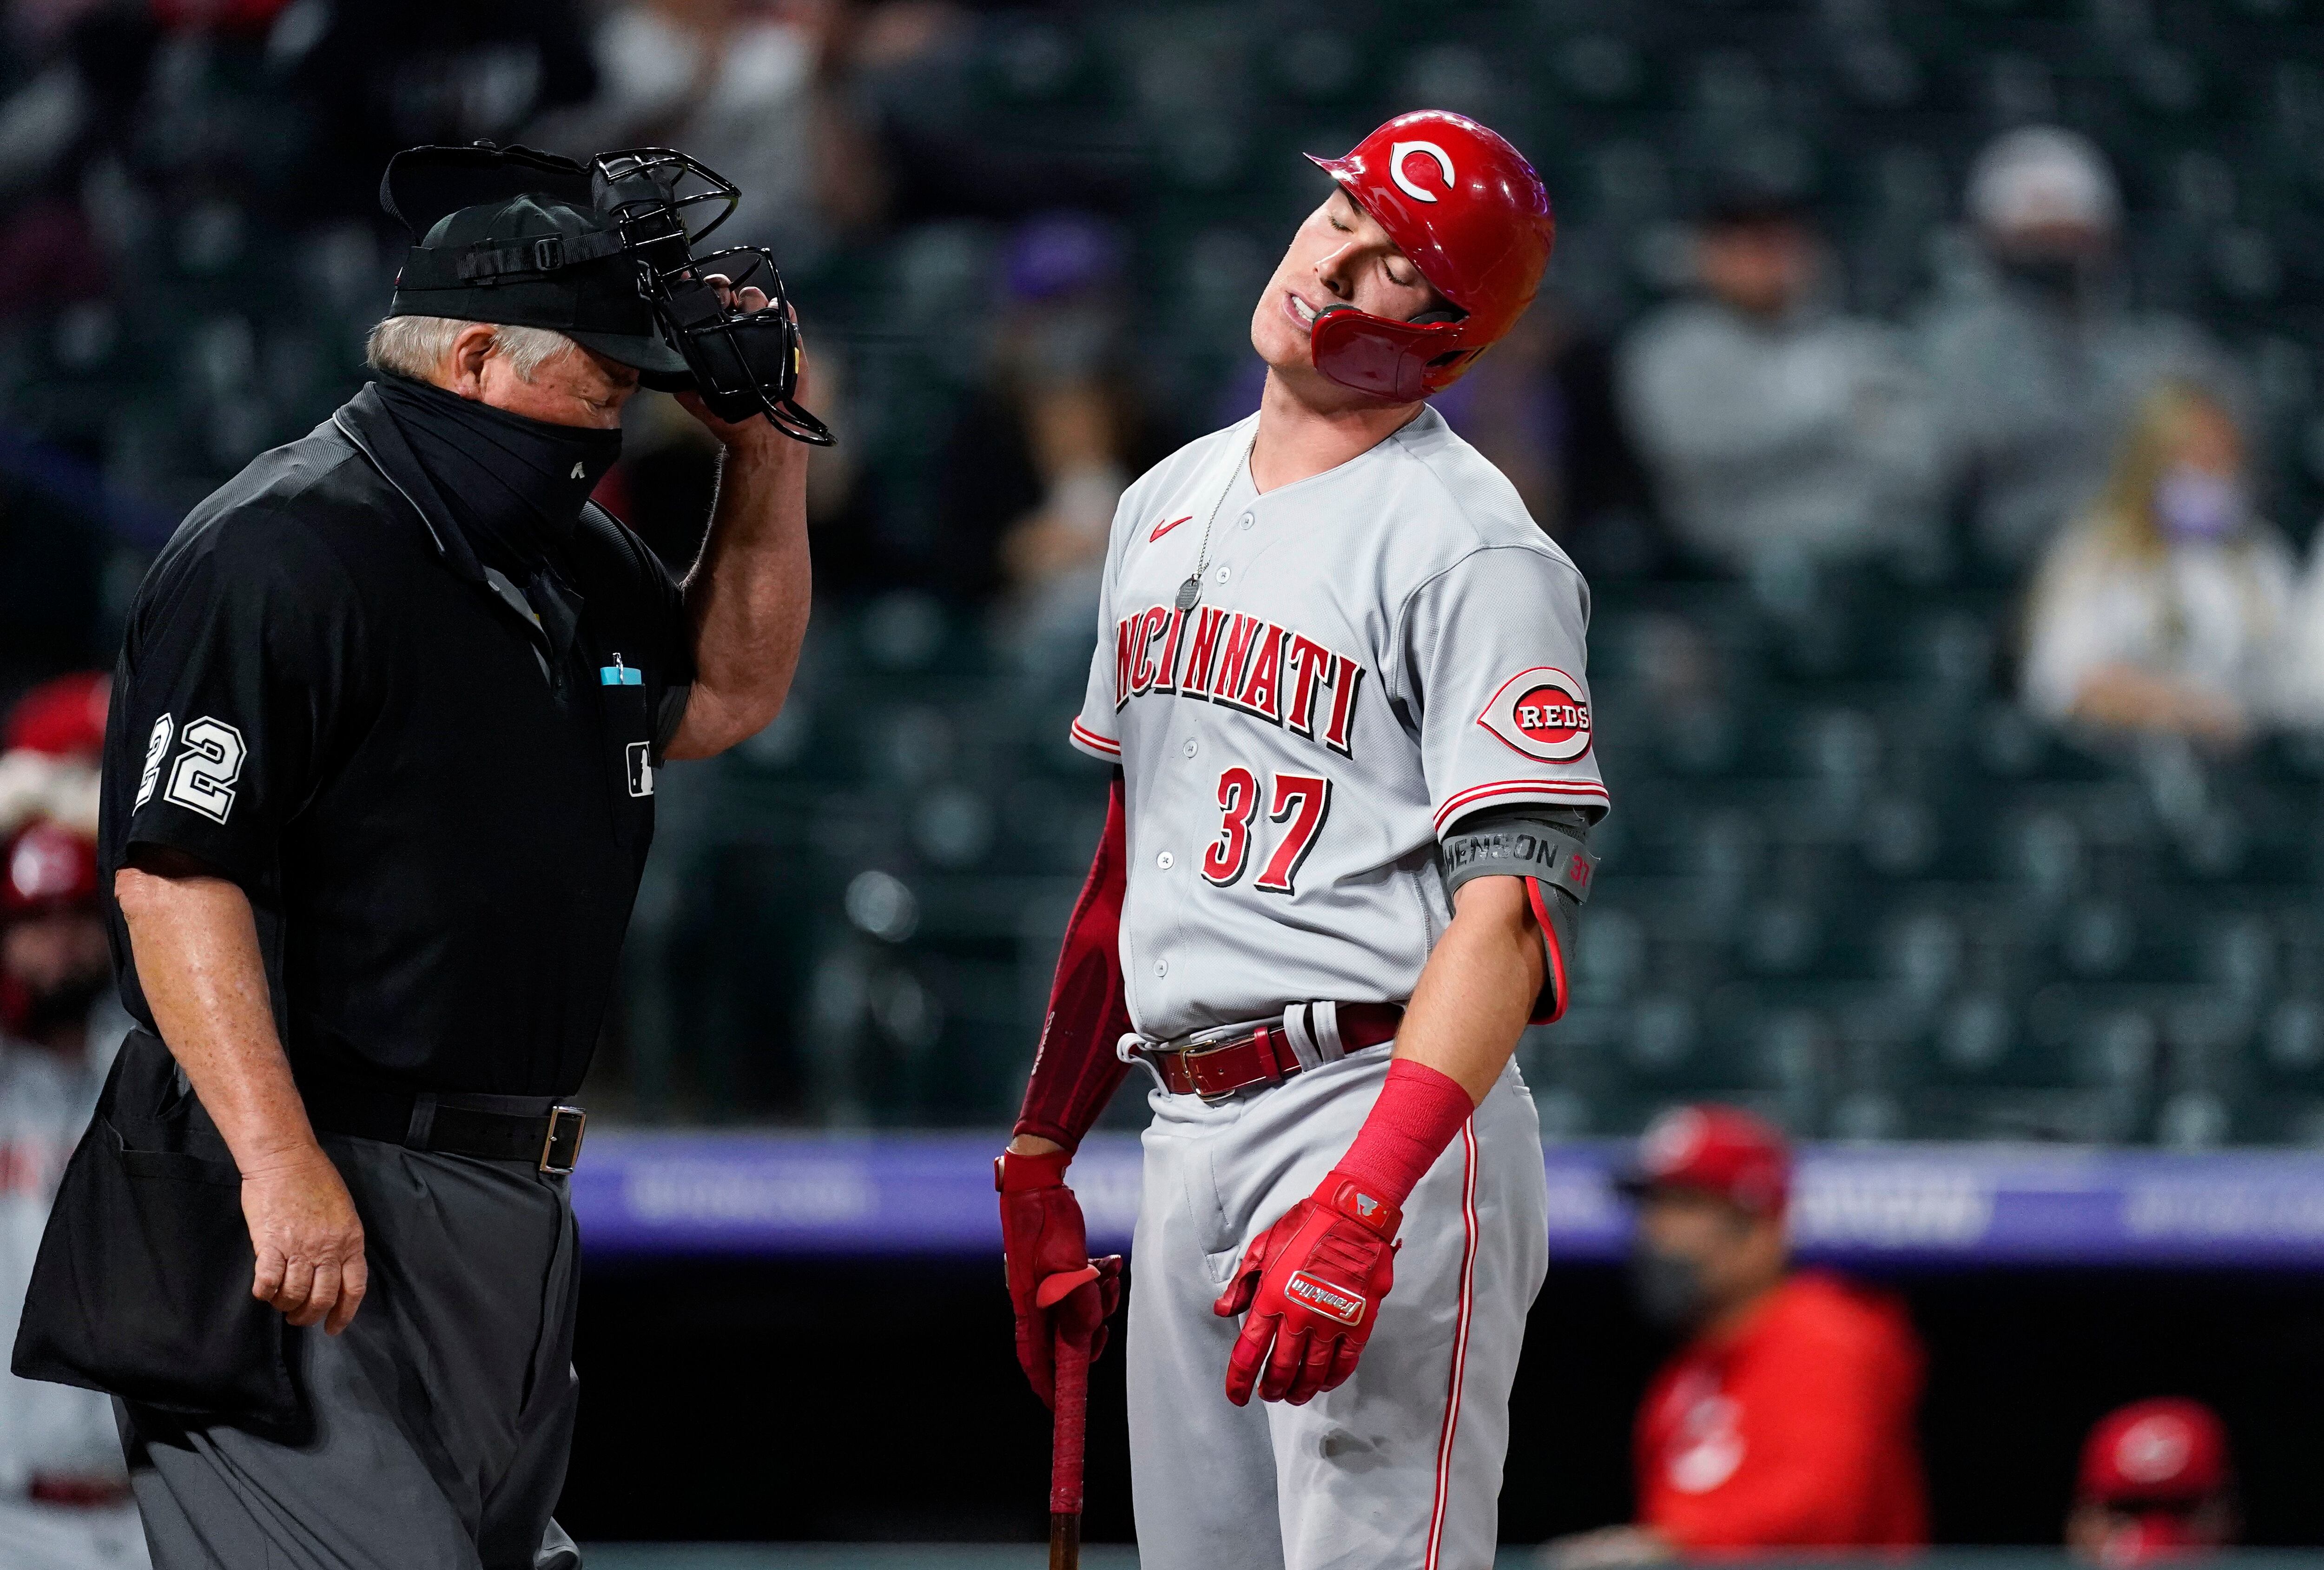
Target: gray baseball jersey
(53,1431)
(1376,651)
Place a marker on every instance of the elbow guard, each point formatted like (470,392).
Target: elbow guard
(1547,847)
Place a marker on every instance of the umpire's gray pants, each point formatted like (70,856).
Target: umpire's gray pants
(1399,1468)
(441,1416)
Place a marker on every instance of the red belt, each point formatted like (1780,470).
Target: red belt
(80,1493)
(1215,1069)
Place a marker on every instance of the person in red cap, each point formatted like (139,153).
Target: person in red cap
(2155,1482)
(1786,1420)
(64,1492)
(50,744)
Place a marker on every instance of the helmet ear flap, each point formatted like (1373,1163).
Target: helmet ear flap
(1400,362)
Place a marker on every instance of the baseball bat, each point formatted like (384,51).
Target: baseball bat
(1067,1443)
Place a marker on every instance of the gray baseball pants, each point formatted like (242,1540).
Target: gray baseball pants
(1400,1467)
(441,1416)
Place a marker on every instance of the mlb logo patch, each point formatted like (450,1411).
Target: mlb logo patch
(640,760)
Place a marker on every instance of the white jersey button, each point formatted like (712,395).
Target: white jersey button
(1246,519)
(1221,574)
(1161,968)
(1165,861)
(1191,748)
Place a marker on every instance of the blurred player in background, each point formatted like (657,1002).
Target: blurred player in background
(2155,1482)
(64,1492)
(49,751)
(1786,1420)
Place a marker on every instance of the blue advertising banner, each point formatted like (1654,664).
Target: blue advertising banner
(696,1193)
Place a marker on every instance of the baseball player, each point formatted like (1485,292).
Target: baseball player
(2156,1483)
(64,1493)
(1342,673)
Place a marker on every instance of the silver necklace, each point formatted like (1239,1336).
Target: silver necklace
(1191,590)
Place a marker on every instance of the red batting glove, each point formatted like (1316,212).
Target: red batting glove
(1312,1286)
(1053,1283)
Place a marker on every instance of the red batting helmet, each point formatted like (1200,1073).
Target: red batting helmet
(64,718)
(1717,1150)
(1466,210)
(47,867)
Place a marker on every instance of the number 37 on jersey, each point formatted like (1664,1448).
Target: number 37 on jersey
(1271,674)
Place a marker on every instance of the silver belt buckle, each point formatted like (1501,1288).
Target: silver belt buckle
(1189,1055)
(561,1147)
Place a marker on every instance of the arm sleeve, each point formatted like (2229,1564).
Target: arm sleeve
(1494,665)
(236,677)
(1076,1070)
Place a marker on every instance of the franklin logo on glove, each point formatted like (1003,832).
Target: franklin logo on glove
(1345,1307)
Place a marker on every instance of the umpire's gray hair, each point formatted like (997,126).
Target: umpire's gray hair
(415,345)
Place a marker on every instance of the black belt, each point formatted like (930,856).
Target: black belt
(539,1129)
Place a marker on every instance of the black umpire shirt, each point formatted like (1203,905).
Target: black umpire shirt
(438,810)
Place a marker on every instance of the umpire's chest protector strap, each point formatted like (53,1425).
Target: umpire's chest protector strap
(1545,846)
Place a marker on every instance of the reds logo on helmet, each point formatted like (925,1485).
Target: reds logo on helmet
(1403,149)
(1541,712)
(1470,213)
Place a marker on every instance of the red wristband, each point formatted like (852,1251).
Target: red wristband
(1418,1112)
(1013,1173)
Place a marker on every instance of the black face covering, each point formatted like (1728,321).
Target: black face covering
(1669,1288)
(2061,280)
(517,485)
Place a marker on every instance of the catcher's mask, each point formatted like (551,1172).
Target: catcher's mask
(603,252)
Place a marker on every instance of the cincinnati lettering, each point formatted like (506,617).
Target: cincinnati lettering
(1242,662)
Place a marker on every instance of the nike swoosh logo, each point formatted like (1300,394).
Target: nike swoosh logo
(1162,529)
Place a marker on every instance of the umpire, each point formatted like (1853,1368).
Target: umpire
(379,784)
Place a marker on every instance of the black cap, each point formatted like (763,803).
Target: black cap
(510,236)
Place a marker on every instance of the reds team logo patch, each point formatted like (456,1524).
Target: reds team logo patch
(1542,714)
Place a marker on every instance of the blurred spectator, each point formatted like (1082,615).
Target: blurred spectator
(2036,364)
(1039,455)
(2303,654)
(1769,422)
(2155,1482)
(375,79)
(52,560)
(49,753)
(2167,607)
(1787,1418)
(64,1492)
(1541,407)
(757,92)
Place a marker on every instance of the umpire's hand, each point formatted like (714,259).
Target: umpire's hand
(309,1240)
(196,942)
